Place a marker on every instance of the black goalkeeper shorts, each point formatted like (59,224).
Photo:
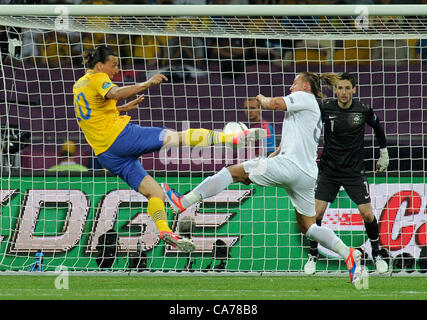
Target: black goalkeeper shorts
(357,188)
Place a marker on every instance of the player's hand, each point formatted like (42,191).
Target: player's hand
(259,98)
(263,101)
(156,79)
(383,161)
(131,105)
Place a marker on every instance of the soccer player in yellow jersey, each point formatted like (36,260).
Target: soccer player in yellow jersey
(118,143)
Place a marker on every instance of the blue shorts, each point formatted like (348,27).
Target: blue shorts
(122,158)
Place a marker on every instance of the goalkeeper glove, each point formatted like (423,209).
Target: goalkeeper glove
(383,161)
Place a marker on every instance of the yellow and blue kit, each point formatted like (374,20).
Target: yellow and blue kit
(117,142)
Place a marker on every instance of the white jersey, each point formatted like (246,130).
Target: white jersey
(302,126)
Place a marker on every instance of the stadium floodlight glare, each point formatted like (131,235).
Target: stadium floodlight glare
(215,57)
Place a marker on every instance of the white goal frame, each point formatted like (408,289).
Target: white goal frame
(141,19)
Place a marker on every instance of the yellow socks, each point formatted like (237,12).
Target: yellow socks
(206,138)
(156,210)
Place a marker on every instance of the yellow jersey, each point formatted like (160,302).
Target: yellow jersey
(96,115)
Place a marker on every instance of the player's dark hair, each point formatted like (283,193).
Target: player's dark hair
(315,80)
(98,54)
(349,77)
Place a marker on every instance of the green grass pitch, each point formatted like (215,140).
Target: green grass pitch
(209,287)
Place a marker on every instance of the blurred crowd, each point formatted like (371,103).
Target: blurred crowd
(190,57)
(195,55)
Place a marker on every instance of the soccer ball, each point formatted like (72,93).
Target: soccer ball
(234,127)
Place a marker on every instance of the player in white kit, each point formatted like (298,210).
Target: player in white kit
(292,166)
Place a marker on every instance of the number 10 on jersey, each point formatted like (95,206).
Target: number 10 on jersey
(78,102)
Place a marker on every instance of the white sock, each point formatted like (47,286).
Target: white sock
(190,198)
(209,187)
(327,238)
(342,249)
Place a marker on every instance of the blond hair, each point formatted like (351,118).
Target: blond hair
(315,80)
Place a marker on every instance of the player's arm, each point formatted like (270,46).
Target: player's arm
(130,105)
(383,160)
(277,103)
(122,93)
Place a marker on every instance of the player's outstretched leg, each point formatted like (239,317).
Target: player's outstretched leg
(253,134)
(209,187)
(174,198)
(206,138)
(354,266)
(327,238)
(156,210)
(183,244)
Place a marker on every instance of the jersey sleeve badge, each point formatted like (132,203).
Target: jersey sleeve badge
(106,85)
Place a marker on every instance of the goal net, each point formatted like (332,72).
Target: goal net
(216,58)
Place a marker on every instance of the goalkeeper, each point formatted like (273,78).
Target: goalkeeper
(342,164)
(118,143)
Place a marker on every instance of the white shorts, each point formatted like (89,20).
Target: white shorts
(280,172)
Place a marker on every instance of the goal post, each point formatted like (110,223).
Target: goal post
(226,10)
(216,57)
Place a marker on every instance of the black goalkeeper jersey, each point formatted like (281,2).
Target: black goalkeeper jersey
(344,131)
